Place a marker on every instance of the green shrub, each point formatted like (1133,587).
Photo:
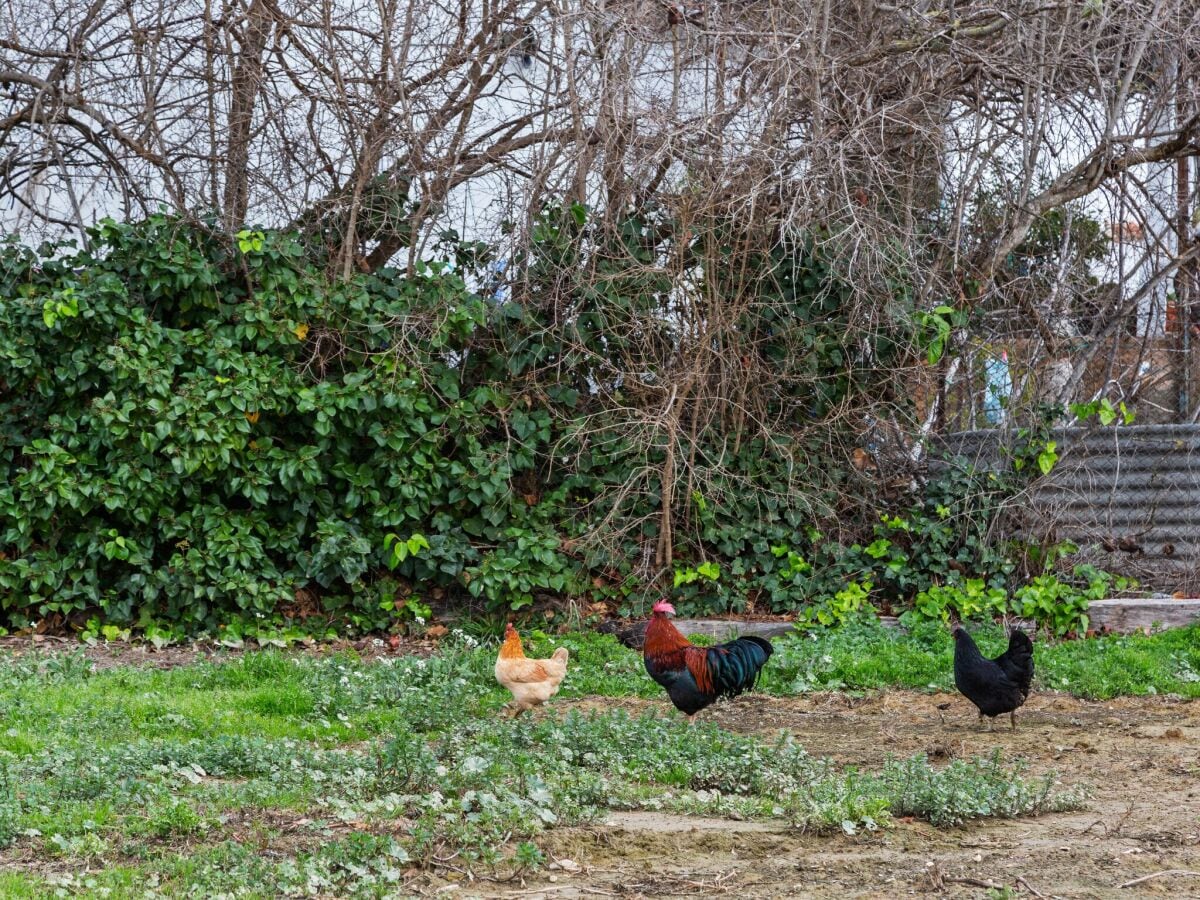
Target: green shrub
(200,430)
(1060,605)
(195,429)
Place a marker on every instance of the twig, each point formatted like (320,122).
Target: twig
(707,885)
(974,882)
(1163,874)
(438,864)
(1116,829)
(559,887)
(1029,887)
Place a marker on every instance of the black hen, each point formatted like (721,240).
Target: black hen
(995,686)
(696,676)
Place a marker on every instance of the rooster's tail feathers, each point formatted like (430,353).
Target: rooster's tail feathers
(735,666)
(761,642)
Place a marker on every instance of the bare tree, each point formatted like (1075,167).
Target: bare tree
(918,146)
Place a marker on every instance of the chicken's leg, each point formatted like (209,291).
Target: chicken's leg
(1012,717)
(512,710)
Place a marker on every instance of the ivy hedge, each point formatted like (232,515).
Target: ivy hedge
(194,428)
(197,428)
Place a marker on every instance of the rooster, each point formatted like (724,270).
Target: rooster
(995,686)
(531,681)
(695,677)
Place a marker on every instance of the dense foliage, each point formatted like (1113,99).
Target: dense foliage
(200,430)
(193,429)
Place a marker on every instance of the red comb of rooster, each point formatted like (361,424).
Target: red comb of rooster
(662,606)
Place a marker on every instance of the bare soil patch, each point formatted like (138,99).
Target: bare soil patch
(1140,757)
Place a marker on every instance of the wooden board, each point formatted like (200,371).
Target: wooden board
(1126,614)
(725,629)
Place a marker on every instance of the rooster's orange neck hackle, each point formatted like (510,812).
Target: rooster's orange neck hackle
(511,648)
(665,644)
(662,637)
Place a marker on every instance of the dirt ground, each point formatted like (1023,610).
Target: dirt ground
(1139,757)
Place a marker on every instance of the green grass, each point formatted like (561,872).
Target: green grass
(868,656)
(124,780)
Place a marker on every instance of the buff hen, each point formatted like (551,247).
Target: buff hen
(531,681)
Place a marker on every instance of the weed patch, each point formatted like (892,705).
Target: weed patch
(180,778)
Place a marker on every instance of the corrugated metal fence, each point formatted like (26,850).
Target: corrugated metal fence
(1129,496)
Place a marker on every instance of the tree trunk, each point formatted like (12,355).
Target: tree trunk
(247,77)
